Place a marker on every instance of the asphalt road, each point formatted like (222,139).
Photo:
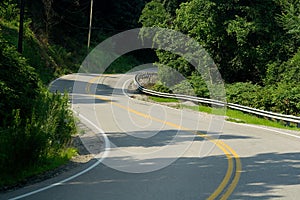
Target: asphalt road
(148,151)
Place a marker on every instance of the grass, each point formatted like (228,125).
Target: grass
(240,117)
(163,100)
(50,163)
(233,115)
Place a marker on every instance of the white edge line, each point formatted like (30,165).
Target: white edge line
(107,148)
(268,129)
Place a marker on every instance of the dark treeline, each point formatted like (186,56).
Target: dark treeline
(66,21)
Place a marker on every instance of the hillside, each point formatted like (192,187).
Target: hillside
(34,133)
(36,126)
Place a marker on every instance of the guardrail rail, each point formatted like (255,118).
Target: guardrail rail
(261,113)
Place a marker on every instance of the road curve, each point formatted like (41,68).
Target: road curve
(148,151)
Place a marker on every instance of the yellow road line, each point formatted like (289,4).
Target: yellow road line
(226,179)
(227,150)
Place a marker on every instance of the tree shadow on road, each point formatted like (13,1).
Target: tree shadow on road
(266,173)
(262,176)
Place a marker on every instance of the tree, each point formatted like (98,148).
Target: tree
(243,37)
(290,17)
(154,14)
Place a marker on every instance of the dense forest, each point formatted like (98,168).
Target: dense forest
(254,43)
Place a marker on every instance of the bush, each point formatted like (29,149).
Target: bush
(246,94)
(29,140)
(281,98)
(34,123)
(184,87)
(169,76)
(199,85)
(286,98)
(159,87)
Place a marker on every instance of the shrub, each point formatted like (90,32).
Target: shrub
(199,85)
(286,98)
(184,87)
(159,87)
(34,123)
(246,94)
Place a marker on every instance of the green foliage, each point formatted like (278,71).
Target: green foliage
(160,87)
(287,72)
(28,140)
(35,53)
(240,28)
(286,98)
(237,34)
(9,10)
(63,59)
(175,62)
(172,5)
(246,94)
(18,82)
(290,70)
(162,100)
(290,18)
(281,98)
(283,81)
(250,41)
(154,14)
(169,76)
(184,87)
(242,37)
(34,122)
(199,86)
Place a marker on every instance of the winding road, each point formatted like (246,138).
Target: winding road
(146,151)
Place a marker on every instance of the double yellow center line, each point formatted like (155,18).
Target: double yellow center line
(234,169)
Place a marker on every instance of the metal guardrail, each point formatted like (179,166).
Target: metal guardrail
(261,113)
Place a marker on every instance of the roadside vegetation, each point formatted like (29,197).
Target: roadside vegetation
(232,115)
(36,126)
(240,117)
(162,100)
(255,45)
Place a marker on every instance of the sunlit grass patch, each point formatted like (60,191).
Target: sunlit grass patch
(163,100)
(240,117)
